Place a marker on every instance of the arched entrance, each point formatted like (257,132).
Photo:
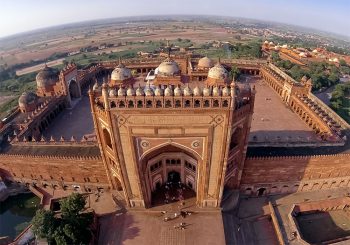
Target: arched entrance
(170,175)
(74,90)
(174,177)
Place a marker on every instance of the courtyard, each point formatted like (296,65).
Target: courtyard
(329,225)
(75,122)
(273,121)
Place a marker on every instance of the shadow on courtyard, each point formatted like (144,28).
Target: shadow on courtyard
(319,227)
(117,228)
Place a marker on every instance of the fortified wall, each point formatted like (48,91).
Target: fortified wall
(271,175)
(62,164)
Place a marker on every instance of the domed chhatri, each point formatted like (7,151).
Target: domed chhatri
(27,102)
(217,76)
(47,77)
(168,68)
(130,91)
(218,72)
(113,93)
(121,73)
(205,63)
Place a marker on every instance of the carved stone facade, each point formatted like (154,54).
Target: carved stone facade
(145,135)
(203,133)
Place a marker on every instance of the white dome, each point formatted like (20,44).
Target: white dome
(205,62)
(168,91)
(225,91)
(121,91)
(112,93)
(158,91)
(148,91)
(120,73)
(177,91)
(130,92)
(197,91)
(168,68)
(139,91)
(206,91)
(216,91)
(217,72)
(187,91)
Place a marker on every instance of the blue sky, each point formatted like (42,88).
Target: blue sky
(23,15)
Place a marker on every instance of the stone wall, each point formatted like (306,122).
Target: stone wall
(273,175)
(57,172)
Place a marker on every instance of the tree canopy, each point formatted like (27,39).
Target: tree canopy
(72,226)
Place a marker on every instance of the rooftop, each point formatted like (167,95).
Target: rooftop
(273,119)
(54,150)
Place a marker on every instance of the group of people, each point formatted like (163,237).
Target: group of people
(170,196)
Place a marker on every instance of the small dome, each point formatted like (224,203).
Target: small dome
(205,62)
(112,93)
(206,91)
(121,73)
(47,77)
(217,72)
(177,91)
(266,42)
(168,68)
(225,91)
(121,91)
(139,91)
(158,91)
(216,91)
(168,91)
(187,91)
(148,91)
(197,91)
(27,98)
(130,91)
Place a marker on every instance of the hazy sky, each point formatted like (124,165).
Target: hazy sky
(23,15)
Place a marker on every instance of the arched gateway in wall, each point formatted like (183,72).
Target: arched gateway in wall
(169,174)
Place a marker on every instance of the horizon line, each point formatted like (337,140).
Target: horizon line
(169,16)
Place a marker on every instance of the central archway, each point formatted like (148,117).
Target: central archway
(74,91)
(170,174)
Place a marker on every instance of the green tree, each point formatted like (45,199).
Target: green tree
(73,225)
(72,205)
(234,73)
(44,224)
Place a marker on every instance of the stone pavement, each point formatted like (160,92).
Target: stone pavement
(272,118)
(142,227)
(72,122)
(249,223)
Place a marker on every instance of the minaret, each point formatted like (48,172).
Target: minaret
(233,94)
(105,95)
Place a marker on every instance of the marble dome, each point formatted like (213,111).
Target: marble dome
(168,68)
(121,73)
(47,77)
(217,72)
(205,62)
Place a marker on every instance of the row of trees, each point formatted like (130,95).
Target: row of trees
(323,75)
(252,49)
(72,226)
(341,96)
